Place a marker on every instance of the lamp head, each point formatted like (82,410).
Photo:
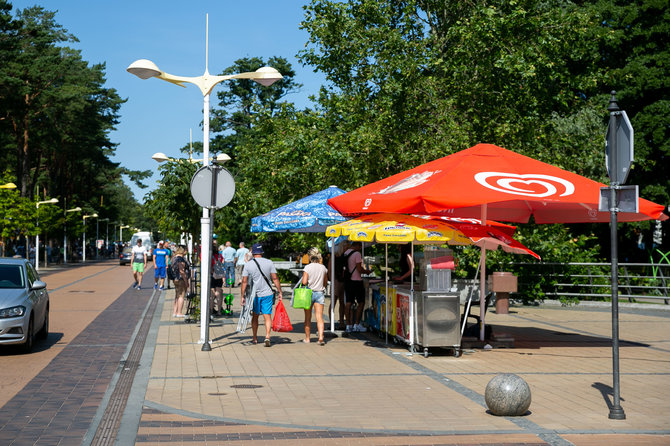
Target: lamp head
(77,209)
(221,158)
(267,76)
(8,186)
(160,157)
(144,69)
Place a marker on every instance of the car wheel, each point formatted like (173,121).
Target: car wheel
(27,346)
(44,331)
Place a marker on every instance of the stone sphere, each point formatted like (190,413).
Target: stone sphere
(507,395)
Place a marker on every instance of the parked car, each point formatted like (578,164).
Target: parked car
(24,304)
(126,255)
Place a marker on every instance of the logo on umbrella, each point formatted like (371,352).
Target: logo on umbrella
(530,185)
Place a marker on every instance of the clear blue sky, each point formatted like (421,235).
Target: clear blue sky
(158,115)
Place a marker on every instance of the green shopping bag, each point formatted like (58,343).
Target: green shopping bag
(302,297)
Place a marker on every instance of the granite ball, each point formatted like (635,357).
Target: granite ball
(507,395)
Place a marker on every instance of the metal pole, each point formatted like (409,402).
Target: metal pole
(65,240)
(83,247)
(97,236)
(37,241)
(206,242)
(616,411)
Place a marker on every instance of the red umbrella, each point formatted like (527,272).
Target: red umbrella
(513,187)
(490,182)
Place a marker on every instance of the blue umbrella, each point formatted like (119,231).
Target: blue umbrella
(309,214)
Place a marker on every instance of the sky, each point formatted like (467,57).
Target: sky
(157,115)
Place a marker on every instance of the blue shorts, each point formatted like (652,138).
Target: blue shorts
(160,272)
(263,304)
(318,298)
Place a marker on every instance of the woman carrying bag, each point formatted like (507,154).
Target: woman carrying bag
(315,277)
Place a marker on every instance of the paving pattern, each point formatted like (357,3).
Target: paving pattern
(353,390)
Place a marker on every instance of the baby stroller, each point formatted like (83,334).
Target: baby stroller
(192,314)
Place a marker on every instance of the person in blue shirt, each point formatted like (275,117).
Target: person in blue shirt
(229,263)
(160,265)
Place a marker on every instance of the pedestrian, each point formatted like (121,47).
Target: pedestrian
(261,271)
(354,288)
(181,271)
(216,284)
(240,260)
(139,263)
(337,285)
(160,265)
(229,263)
(315,277)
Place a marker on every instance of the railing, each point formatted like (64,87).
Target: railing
(592,281)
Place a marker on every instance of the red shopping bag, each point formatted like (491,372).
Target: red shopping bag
(281,322)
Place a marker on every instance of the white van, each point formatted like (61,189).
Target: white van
(147,242)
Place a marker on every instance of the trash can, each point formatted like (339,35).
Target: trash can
(503,283)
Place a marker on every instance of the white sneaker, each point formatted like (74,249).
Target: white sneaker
(349,329)
(360,328)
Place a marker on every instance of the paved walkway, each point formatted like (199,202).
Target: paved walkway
(358,390)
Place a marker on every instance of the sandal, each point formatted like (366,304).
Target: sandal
(254,341)
(267,342)
(321,343)
(306,341)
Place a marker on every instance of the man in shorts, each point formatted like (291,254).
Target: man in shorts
(160,265)
(139,263)
(260,269)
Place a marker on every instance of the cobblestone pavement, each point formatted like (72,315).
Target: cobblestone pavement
(136,375)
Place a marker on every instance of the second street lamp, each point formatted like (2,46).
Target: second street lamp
(77,209)
(145,69)
(83,248)
(37,237)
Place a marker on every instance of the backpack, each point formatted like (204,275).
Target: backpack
(342,272)
(177,270)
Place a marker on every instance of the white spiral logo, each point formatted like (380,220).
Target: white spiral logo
(511,183)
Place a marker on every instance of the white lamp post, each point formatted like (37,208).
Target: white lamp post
(106,236)
(37,237)
(83,248)
(145,69)
(77,209)
(121,232)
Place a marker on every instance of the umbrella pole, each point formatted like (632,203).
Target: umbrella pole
(386,294)
(332,286)
(411,301)
(482,283)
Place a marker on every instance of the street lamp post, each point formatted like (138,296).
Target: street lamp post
(37,237)
(106,236)
(83,248)
(121,232)
(77,209)
(145,69)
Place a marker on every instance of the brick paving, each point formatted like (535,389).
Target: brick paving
(354,390)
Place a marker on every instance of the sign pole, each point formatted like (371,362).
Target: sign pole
(616,411)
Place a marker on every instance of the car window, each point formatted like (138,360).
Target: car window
(32,274)
(11,276)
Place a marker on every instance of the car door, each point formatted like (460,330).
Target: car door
(38,297)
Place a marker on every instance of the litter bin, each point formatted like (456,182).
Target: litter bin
(503,283)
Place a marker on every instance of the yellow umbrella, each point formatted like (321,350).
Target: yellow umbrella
(398,228)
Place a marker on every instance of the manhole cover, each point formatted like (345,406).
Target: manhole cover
(245,386)
(217,394)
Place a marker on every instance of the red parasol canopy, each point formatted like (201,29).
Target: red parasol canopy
(513,187)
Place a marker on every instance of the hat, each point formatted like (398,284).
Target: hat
(257,248)
(214,236)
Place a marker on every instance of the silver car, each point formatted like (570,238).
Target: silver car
(24,304)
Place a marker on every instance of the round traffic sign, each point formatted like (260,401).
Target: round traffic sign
(212,191)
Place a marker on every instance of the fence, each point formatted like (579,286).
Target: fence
(592,281)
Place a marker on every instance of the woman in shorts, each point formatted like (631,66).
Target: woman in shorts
(315,276)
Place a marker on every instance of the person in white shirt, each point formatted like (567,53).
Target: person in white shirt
(315,276)
(240,260)
(139,263)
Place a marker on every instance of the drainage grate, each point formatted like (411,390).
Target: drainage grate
(217,394)
(81,291)
(245,386)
